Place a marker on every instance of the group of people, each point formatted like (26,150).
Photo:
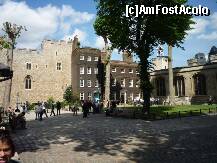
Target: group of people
(16,119)
(40,110)
(87,105)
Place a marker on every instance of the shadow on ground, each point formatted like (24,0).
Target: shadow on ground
(128,139)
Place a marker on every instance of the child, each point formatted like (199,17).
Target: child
(7,149)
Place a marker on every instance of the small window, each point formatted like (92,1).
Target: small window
(131,83)
(81,57)
(114,82)
(89,70)
(88,83)
(28,82)
(89,58)
(81,83)
(56,53)
(137,83)
(96,58)
(130,70)
(122,82)
(36,66)
(95,70)
(113,69)
(28,66)
(89,96)
(58,66)
(81,96)
(96,83)
(122,70)
(46,66)
(82,70)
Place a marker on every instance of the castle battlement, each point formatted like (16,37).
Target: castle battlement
(27,51)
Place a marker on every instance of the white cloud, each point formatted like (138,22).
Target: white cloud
(99,43)
(213,19)
(77,32)
(199,26)
(41,22)
(210,37)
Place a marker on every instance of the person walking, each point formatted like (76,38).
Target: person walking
(85,108)
(44,109)
(52,109)
(37,109)
(58,105)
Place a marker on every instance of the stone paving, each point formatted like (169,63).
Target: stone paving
(99,139)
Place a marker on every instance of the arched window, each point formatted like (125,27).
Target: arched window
(160,86)
(179,84)
(28,82)
(199,84)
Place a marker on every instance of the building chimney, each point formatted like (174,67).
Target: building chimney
(75,43)
(126,56)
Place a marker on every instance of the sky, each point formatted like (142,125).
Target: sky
(63,19)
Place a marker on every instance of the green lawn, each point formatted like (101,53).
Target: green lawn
(160,112)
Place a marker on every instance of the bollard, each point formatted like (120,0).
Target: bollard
(209,110)
(179,114)
(191,112)
(200,112)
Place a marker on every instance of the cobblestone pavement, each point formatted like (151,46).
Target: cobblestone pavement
(99,139)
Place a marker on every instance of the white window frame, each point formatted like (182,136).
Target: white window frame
(88,58)
(114,69)
(95,70)
(96,59)
(114,82)
(96,83)
(81,57)
(81,82)
(82,96)
(123,71)
(88,83)
(131,83)
(81,69)
(89,96)
(123,85)
(88,70)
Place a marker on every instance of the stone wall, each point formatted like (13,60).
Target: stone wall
(47,81)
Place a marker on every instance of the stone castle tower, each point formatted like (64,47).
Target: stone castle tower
(40,74)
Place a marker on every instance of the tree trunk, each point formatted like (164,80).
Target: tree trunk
(170,69)
(145,83)
(107,75)
(8,84)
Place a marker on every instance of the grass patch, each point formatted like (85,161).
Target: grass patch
(162,112)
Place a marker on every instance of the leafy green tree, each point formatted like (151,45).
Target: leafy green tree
(3,43)
(49,103)
(69,97)
(141,34)
(12,32)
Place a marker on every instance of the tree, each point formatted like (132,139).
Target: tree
(3,43)
(69,97)
(102,31)
(12,32)
(141,34)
